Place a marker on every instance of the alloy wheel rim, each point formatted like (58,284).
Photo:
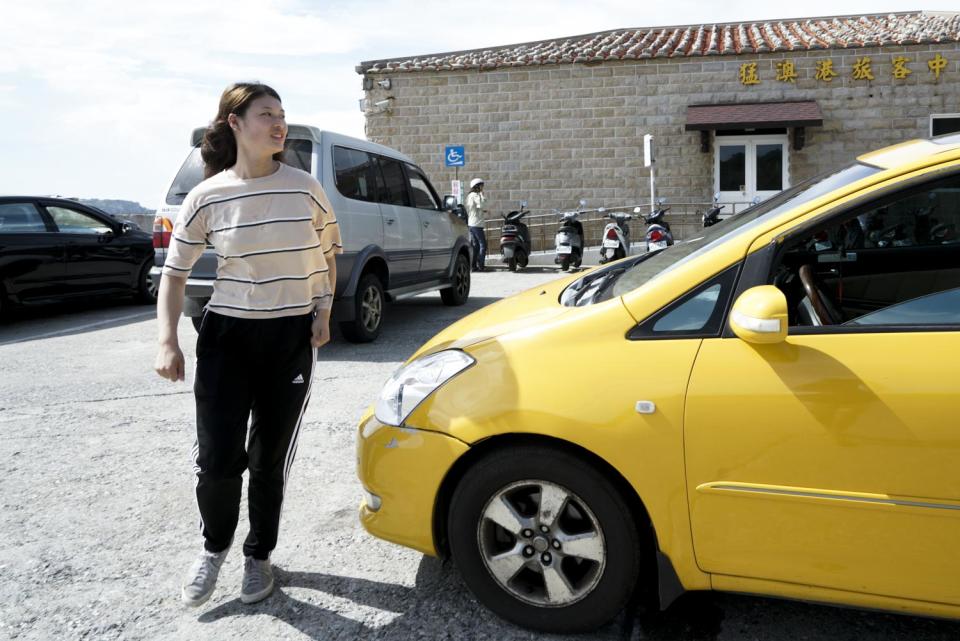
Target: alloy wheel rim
(541,543)
(371,306)
(463,279)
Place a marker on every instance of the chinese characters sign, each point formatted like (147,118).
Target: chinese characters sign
(786,71)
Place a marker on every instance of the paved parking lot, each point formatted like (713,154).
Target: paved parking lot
(99,521)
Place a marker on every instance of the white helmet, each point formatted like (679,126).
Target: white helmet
(475,182)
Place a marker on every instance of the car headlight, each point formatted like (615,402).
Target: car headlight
(414,382)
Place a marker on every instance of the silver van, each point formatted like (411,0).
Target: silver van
(399,238)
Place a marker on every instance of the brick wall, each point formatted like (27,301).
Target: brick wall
(554,134)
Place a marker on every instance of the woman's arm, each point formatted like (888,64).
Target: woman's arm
(169,363)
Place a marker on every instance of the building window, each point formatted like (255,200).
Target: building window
(944,124)
(749,167)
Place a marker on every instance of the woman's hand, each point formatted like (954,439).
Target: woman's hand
(169,363)
(320,328)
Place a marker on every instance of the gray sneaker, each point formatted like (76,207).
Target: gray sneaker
(199,583)
(257,580)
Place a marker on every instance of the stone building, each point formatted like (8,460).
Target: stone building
(744,109)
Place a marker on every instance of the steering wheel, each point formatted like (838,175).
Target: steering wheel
(816,296)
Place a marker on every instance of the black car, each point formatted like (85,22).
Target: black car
(54,249)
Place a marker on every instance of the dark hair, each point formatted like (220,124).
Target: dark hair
(219,146)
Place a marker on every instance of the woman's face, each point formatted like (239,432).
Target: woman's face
(263,128)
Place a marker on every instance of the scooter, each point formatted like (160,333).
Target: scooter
(658,230)
(616,237)
(712,217)
(515,239)
(569,239)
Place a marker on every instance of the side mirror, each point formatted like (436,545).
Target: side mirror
(523,204)
(600,210)
(128,226)
(637,211)
(759,315)
(716,197)
(661,200)
(449,203)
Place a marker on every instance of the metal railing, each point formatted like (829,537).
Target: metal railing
(685,220)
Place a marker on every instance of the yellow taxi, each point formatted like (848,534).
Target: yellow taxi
(772,407)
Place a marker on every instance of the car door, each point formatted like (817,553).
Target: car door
(436,224)
(96,260)
(402,230)
(830,459)
(31,254)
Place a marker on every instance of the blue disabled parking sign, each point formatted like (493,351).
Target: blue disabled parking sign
(454,157)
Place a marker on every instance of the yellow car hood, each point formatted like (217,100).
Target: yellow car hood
(533,308)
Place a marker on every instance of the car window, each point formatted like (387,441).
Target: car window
(420,189)
(355,174)
(884,263)
(71,221)
(298,153)
(394,182)
(20,218)
(692,314)
(942,308)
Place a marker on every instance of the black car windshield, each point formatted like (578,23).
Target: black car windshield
(672,257)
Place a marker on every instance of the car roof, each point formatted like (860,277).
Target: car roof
(938,149)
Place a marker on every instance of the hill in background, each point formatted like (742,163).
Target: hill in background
(116,207)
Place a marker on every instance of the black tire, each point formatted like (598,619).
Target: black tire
(522,258)
(512,263)
(619,253)
(604,587)
(4,305)
(565,263)
(460,291)
(368,308)
(146,291)
(197,321)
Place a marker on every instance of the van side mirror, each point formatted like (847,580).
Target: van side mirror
(449,202)
(759,315)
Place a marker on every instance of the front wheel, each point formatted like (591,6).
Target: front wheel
(146,290)
(544,540)
(458,293)
(368,311)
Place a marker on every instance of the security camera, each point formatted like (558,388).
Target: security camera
(384,84)
(383,104)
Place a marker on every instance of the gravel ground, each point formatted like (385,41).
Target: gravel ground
(99,519)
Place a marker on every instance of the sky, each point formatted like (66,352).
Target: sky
(98,98)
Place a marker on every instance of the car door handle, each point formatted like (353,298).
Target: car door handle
(426,224)
(390,221)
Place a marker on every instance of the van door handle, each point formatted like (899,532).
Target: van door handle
(390,221)
(426,224)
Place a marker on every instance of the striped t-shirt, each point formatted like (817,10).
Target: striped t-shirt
(271,236)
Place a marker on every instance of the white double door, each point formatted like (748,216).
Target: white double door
(748,167)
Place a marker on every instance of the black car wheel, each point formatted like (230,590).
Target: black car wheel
(460,291)
(368,311)
(146,290)
(544,540)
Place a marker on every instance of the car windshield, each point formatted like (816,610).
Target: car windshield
(664,260)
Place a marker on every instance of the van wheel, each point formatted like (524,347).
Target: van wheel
(460,291)
(368,311)
(146,290)
(544,539)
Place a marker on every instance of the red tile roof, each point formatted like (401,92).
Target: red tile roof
(759,114)
(804,34)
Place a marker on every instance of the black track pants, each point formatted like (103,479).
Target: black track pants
(245,367)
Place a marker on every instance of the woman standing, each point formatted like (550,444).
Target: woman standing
(275,236)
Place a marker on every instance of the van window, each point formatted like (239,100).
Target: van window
(395,184)
(420,189)
(297,153)
(356,174)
